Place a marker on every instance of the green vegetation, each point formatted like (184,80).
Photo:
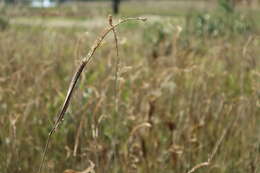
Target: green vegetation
(224,21)
(180,89)
(3,23)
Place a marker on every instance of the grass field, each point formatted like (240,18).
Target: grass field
(186,90)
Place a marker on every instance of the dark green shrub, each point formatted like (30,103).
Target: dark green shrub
(224,21)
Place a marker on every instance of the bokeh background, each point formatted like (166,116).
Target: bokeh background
(186,81)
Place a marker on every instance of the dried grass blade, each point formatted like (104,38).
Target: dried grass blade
(73,83)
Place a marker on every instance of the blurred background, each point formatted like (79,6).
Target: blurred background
(185,82)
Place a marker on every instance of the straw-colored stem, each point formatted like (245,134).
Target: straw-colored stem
(74,81)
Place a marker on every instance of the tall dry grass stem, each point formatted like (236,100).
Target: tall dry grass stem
(76,76)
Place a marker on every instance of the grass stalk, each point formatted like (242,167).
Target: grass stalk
(75,79)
